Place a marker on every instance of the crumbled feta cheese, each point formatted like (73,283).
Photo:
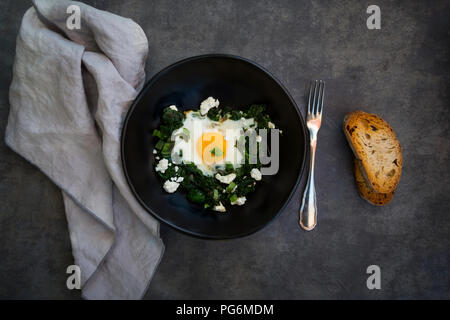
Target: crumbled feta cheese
(170,186)
(226,179)
(157,158)
(162,165)
(271,125)
(239,201)
(219,208)
(173,107)
(154,151)
(256,174)
(258,138)
(170,163)
(208,104)
(176,168)
(177,179)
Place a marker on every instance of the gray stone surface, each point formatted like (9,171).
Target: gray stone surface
(400,72)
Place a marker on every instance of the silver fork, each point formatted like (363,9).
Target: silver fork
(308,210)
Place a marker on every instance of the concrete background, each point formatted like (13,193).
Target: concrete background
(400,72)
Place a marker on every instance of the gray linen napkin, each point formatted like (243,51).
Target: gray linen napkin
(69,95)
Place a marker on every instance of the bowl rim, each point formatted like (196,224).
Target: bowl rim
(138,97)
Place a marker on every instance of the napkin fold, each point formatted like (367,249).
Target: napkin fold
(70,92)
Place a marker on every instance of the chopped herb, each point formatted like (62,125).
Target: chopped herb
(159,145)
(187,133)
(216,152)
(233,198)
(166,149)
(157,133)
(230,187)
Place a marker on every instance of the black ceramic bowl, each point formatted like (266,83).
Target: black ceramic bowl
(236,82)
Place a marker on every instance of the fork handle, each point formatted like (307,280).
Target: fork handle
(308,210)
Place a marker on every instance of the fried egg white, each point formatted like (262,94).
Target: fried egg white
(209,144)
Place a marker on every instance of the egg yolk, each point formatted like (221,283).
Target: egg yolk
(211,147)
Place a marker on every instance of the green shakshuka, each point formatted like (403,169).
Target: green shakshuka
(205,153)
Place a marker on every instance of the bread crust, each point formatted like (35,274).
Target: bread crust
(374,143)
(366,192)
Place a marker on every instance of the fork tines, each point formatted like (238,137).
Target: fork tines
(316,92)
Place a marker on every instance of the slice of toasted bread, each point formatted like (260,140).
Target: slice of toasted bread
(366,192)
(373,142)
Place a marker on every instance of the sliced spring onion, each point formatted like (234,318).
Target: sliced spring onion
(216,194)
(230,187)
(233,198)
(157,133)
(159,145)
(216,152)
(187,133)
(166,149)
